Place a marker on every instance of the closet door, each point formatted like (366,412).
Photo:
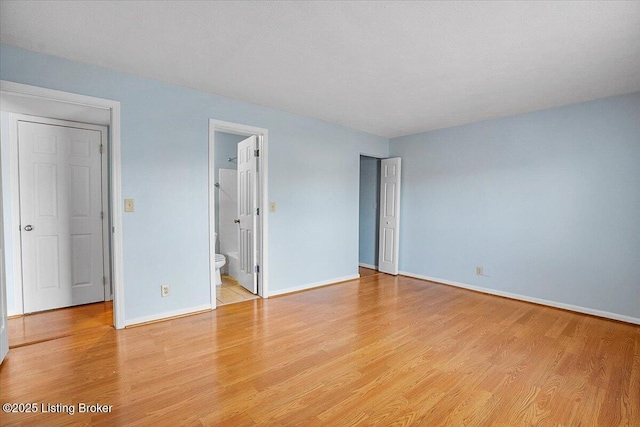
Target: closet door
(389,215)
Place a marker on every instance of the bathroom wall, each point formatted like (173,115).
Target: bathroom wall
(228,237)
(369,210)
(226,147)
(547,202)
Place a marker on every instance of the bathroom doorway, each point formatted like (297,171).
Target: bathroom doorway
(233,287)
(237,168)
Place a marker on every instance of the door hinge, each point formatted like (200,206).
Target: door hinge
(258,211)
(256,153)
(101,214)
(256,269)
(101,148)
(104,281)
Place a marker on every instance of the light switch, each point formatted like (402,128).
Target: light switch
(272,207)
(129,205)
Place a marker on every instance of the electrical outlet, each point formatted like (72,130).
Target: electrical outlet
(164,290)
(272,206)
(478,271)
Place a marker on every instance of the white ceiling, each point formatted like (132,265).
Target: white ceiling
(388,68)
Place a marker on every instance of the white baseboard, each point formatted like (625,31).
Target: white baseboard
(313,285)
(570,307)
(166,315)
(372,267)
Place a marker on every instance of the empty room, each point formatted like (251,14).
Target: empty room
(303,213)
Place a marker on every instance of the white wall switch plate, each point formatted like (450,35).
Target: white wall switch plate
(272,206)
(129,205)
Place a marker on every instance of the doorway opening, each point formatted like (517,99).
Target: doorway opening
(237,200)
(90,227)
(369,223)
(379,221)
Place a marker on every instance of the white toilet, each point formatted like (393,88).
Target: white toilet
(220,261)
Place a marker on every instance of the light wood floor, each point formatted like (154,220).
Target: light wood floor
(230,292)
(380,350)
(364,272)
(53,324)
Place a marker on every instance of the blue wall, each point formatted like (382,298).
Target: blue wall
(313,177)
(549,201)
(369,209)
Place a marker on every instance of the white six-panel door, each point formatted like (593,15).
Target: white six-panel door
(247,204)
(389,215)
(60,170)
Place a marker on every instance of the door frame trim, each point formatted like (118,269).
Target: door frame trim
(263,257)
(115,175)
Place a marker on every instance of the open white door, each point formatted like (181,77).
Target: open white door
(4,335)
(60,172)
(247,212)
(389,215)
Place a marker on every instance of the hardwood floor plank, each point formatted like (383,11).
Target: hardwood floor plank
(380,350)
(52,324)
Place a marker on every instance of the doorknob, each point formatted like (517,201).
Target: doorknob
(237,221)
(28,227)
